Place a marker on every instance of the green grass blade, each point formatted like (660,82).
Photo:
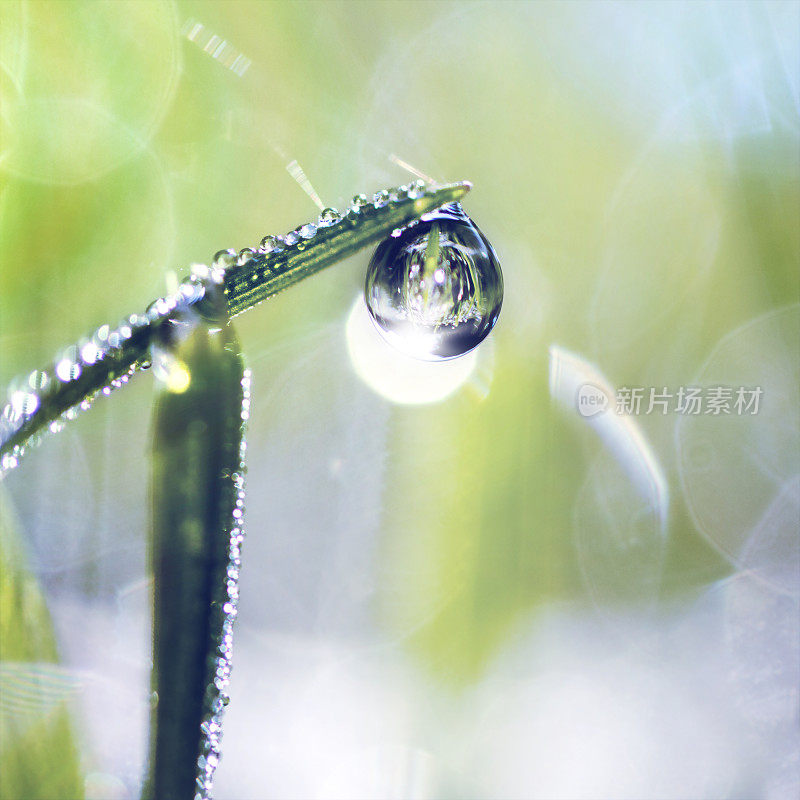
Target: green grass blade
(109,357)
(197,491)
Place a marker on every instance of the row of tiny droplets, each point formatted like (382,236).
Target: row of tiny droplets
(23,402)
(25,395)
(230,259)
(211,727)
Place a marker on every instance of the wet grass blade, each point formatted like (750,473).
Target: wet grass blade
(109,357)
(197,501)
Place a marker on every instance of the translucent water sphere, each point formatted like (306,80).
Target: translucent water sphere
(435,288)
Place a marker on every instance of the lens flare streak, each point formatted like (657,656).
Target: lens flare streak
(217,47)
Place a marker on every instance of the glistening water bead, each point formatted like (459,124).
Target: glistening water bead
(435,288)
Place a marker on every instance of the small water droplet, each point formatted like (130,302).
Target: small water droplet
(21,404)
(291,238)
(416,189)
(192,291)
(68,369)
(307,231)
(381,198)
(155,311)
(329,216)
(200,272)
(90,353)
(225,258)
(138,321)
(359,201)
(435,291)
(245,255)
(269,244)
(38,380)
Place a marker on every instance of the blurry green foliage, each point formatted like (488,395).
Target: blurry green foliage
(38,755)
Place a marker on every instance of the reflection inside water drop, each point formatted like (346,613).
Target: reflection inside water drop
(435,288)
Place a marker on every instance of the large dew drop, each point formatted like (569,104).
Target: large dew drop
(435,288)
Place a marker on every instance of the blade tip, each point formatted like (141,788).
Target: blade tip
(455,191)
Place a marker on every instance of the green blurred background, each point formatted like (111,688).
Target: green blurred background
(485,596)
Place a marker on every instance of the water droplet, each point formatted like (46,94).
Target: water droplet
(68,369)
(416,189)
(381,198)
(22,403)
(155,311)
(90,353)
(435,290)
(307,231)
(192,291)
(200,272)
(38,381)
(329,216)
(225,258)
(138,321)
(269,244)
(359,201)
(291,238)
(245,255)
